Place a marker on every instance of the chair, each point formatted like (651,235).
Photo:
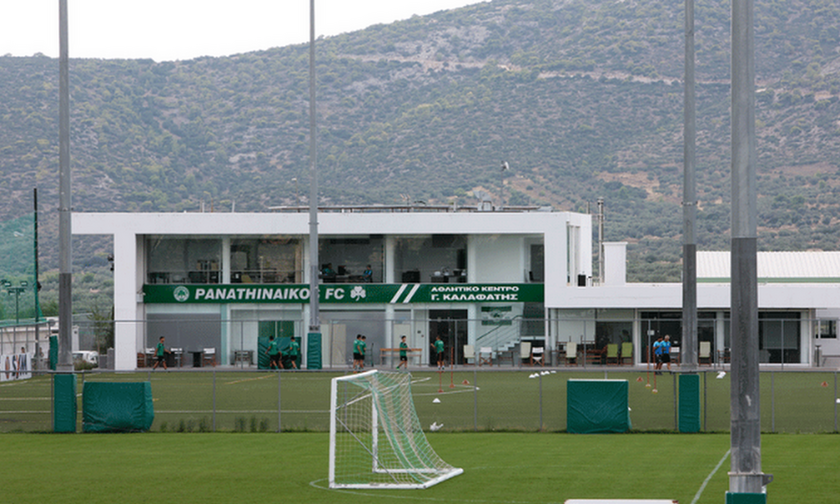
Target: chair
(150,356)
(705,352)
(208,357)
(627,352)
(488,351)
(612,352)
(469,353)
(538,356)
(571,353)
(524,352)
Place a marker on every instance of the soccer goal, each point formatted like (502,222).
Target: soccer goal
(375,436)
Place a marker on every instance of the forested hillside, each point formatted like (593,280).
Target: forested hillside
(583,98)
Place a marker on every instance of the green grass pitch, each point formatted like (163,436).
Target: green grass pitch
(503,468)
(791,402)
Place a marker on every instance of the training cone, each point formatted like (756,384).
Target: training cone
(639,379)
(824,384)
(436,400)
(465,382)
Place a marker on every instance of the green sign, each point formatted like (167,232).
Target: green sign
(343,293)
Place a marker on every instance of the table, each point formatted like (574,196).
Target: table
(383,352)
(246,356)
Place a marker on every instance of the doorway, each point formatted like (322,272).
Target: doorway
(451,326)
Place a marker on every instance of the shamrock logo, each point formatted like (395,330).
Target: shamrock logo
(358,293)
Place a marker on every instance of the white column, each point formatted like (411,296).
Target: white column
(129,270)
(390,263)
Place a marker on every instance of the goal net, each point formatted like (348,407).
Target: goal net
(375,436)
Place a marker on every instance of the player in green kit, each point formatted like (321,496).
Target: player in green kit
(274,355)
(357,353)
(362,348)
(294,351)
(160,355)
(438,346)
(403,354)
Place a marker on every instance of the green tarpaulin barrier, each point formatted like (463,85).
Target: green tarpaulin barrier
(53,352)
(597,406)
(689,403)
(64,403)
(313,350)
(117,407)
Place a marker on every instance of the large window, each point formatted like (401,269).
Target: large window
(436,259)
(778,337)
(275,259)
(352,259)
(184,260)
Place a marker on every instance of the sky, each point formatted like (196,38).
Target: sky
(169,30)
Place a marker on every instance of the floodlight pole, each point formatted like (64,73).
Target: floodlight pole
(314,295)
(688,359)
(746,479)
(65,306)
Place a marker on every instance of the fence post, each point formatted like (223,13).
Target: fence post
(214,399)
(541,424)
(475,397)
(705,398)
(772,401)
(835,401)
(676,406)
(279,374)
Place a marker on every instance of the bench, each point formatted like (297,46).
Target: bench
(826,357)
(383,352)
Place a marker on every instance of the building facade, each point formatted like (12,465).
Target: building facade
(478,280)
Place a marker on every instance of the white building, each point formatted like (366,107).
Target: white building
(482,279)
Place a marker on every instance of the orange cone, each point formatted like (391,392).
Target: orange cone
(639,379)
(824,384)
(465,382)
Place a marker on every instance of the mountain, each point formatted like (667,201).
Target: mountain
(583,99)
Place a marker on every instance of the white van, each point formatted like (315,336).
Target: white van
(87,356)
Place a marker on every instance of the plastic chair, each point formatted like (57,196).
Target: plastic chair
(571,353)
(612,352)
(469,354)
(208,356)
(488,351)
(705,352)
(525,352)
(627,352)
(538,356)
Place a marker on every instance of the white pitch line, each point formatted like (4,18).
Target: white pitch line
(709,477)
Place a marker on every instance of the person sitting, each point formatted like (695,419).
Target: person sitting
(328,273)
(367,275)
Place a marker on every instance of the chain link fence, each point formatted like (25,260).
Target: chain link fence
(461,399)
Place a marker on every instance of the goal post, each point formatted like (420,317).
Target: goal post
(375,436)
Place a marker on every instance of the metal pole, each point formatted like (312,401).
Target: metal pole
(36,362)
(601,241)
(676,407)
(745,475)
(772,401)
(475,399)
(279,403)
(214,399)
(65,302)
(314,296)
(835,401)
(541,424)
(689,285)
(705,399)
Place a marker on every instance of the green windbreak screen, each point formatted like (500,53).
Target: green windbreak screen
(17,270)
